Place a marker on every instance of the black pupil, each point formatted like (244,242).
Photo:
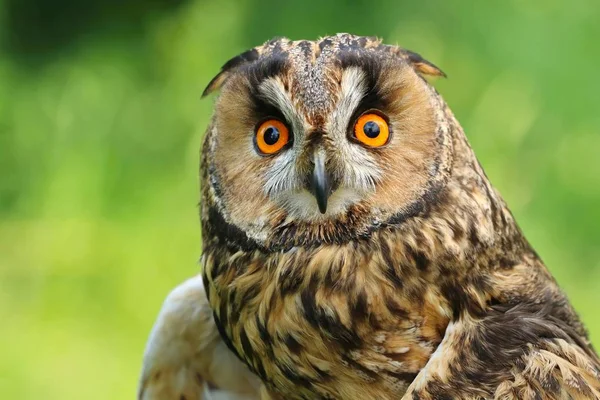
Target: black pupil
(271,135)
(371,129)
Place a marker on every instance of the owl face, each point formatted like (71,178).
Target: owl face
(324,135)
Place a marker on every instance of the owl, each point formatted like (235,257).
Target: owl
(353,247)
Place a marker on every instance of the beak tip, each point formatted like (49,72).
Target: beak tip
(322,197)
(322,208)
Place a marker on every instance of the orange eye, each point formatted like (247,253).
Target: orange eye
(271,136)
(372,130)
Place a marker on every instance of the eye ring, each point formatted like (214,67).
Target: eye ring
(271,136)
(372,130)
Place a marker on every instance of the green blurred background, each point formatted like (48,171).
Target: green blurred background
(101,123)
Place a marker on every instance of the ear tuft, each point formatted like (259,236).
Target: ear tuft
(422,66)
(217,82)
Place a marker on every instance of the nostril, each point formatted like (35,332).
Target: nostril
(334,182)
(315,139)
(308,183)
(333,178)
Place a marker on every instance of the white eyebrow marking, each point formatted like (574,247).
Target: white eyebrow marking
(282,175)
(361,168)
(274,91)
(353,88)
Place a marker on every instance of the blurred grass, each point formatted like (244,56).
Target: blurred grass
(99,139)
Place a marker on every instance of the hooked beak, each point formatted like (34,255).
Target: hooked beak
(321,181)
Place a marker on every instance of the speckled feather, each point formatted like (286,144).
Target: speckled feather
(425,288)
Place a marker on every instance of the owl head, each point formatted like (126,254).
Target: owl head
(320,141)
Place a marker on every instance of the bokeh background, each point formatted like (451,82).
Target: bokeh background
(101,123)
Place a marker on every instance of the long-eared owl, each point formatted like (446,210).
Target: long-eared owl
(353,247)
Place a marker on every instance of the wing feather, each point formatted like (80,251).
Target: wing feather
(520,352)
(185,358)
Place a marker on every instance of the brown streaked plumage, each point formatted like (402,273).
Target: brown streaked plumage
(340,271)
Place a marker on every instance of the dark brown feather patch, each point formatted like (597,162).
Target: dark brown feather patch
(218,81)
